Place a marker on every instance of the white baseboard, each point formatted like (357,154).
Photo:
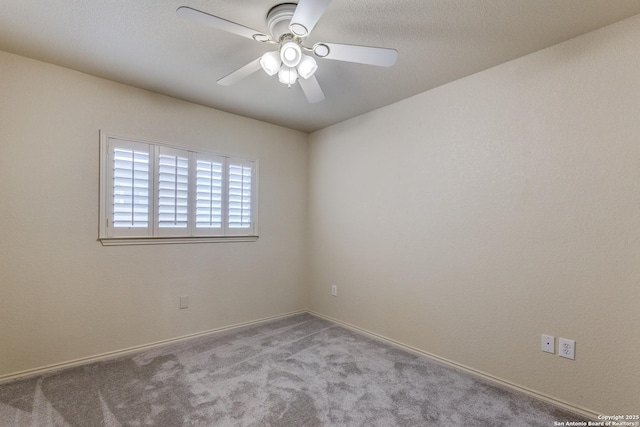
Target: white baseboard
(583,412)
(118,353)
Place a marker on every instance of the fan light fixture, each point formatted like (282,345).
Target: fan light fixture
(291,54)
(288,75)
(307,67)
(289,63)
(271,63)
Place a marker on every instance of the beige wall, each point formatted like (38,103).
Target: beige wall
(471,219)
(63,295)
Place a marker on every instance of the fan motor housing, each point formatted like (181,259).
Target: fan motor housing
(278,19)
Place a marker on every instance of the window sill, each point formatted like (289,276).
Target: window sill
(125,241)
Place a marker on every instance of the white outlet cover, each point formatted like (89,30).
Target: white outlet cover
(567,348)
(334,290)
(184,301)
(548,344)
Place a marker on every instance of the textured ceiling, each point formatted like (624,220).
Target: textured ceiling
(145,44)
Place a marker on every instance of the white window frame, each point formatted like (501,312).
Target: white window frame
(153,234)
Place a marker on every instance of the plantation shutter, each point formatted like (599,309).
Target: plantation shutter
(130,185)
(209,194)
(240,192)
(154,193)
(173,191)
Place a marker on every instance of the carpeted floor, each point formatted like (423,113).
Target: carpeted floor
(296,371)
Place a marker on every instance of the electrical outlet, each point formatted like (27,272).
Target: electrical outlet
(184,301)
(566,348)
(334,290)
(548,344)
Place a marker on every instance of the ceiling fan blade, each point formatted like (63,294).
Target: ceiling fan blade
(240,73)
(380,56)
(220,24)
(311,89)
(307,15)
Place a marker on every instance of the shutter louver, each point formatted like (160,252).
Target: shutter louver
(130,188)
(239,198)
(209,194)
(173,191)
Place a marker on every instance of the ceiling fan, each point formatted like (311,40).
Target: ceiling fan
(290,24)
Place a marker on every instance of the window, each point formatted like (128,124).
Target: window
(156,193)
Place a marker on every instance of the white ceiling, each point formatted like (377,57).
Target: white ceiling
(144,43)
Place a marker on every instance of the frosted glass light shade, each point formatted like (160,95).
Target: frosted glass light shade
(288,75)
(290,53)
(307,67)
(271,63)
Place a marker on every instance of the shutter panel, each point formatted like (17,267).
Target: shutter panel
(130,189)
(173,189)
(240,194)
(209,200)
